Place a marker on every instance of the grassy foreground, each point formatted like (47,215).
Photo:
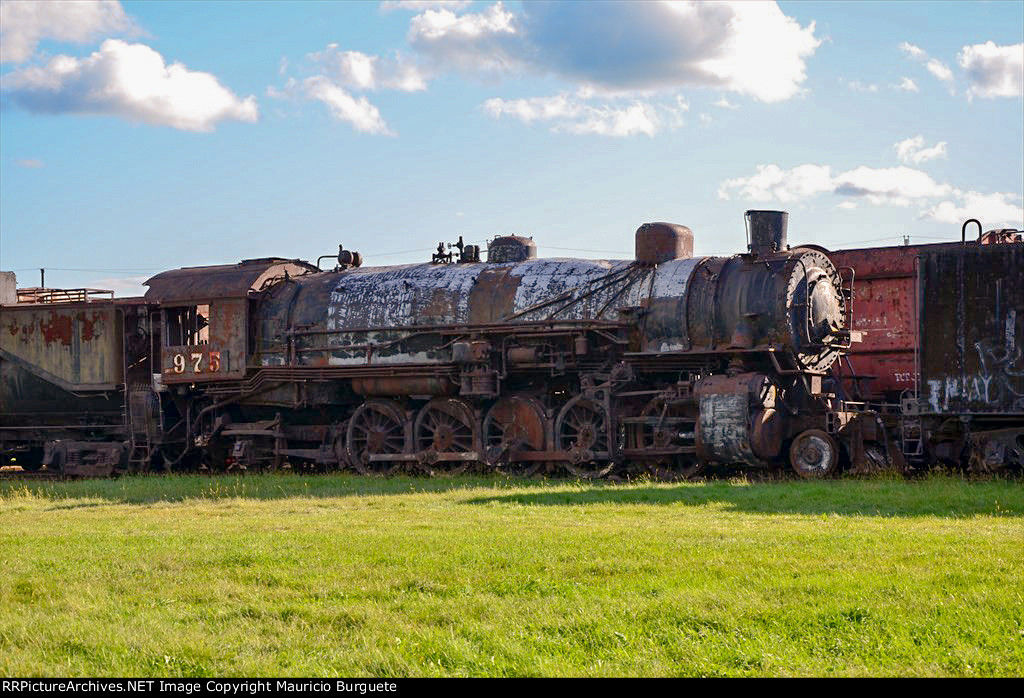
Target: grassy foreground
(342,575)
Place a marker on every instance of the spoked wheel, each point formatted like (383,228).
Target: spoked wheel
(377,428)
(814,454)
(582,428)
(338,439)
(445,425)
(514,424)
(664,420)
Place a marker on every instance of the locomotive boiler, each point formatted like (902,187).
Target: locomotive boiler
(666,362)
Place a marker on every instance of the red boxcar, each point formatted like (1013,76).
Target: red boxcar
(885,311)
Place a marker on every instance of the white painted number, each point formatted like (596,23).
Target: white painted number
(179,362)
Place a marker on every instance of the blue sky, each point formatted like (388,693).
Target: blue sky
(142,136)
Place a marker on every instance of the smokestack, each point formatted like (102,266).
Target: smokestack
(766,231)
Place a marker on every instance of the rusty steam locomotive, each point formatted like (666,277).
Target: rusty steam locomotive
(666,363)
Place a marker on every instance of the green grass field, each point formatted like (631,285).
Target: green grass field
(342,575)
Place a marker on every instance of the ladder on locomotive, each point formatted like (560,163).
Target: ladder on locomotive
(140,419)
(911,436)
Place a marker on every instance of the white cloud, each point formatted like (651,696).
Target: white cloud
(857,86)
(627,47)
(913,51)
(939,70)
(473,42)
(24,23)
(572,115)
(724,103)
(30,163)
(993,210)
(340,73)
(894,186)
(772,183)
(533,108)
(764,52)
(898,186)
(907,85)
(130,81)
(993,71)
(637,118)
(934,66)
(365,72)
(420,5)
(913,150)
(358,111)
(122,287)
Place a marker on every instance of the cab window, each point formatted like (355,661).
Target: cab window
(188,326)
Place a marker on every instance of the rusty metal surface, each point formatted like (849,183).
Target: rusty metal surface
(766,231)
(220,281)
(76,346)
(85,458)
(394,386)
(62,295)
(972,325)
(8,288)
(385,315)
(662,242)
(425,294)
(790,300)
(511,248)
(885,312)
(222,357)
(814,454)
(516,423)
(991,451)
(737,421)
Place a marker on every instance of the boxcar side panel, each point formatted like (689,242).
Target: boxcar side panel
(972,330)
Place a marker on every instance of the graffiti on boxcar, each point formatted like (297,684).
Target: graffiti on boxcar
(999,381)
(973,389)
(1002,366)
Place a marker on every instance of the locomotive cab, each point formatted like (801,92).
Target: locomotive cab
(204,316)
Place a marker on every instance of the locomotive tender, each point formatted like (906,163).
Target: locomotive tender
(943,346)
(665,364)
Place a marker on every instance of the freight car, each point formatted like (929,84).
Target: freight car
(65,359)
(663,363)
(941,351)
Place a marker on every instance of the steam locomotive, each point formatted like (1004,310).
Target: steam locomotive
(663,364)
